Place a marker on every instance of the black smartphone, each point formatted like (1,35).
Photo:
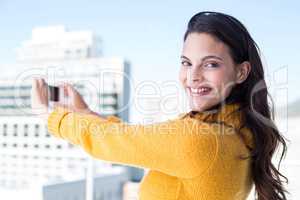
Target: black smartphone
(53,92)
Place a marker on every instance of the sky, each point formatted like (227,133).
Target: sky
(150,33)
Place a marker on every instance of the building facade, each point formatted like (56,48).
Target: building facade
(29,155)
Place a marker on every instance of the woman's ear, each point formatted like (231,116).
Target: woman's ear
(243,71)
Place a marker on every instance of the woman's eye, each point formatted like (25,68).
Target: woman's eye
(213,65)
(185,63)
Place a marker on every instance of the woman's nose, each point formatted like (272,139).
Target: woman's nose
(194,75)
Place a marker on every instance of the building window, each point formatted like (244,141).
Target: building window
(78,52)
(67,53)
(37,127)
(4,129)
(36,130)
(15,130)
(26,130)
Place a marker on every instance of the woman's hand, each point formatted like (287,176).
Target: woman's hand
(72,99)
(69,99)
(39,98)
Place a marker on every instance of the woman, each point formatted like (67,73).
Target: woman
(218,150)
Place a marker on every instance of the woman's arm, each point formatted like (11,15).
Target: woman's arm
(182,148)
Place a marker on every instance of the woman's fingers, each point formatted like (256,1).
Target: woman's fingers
(39,91)
(68,89)
(72,92)
(39,97)
(71,98)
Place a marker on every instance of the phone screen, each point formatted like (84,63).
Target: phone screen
(54,93)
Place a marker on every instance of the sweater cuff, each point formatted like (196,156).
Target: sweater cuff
(113,118)
(55,118)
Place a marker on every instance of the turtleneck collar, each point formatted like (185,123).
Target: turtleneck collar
(228,114)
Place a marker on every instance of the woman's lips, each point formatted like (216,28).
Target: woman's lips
(201,91)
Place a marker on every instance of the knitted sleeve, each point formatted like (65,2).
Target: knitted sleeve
(178,147)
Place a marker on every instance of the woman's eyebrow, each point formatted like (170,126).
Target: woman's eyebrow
(204,58)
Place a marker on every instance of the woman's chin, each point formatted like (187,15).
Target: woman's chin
(201,105)
(197,106)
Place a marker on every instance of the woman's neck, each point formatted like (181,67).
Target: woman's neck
(216,108)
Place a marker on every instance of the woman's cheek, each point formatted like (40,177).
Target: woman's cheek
(224,89)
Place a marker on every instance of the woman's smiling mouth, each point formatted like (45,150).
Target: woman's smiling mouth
(199,91)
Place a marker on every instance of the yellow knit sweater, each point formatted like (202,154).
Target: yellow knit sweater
(191,157)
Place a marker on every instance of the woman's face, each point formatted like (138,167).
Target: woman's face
(207,72)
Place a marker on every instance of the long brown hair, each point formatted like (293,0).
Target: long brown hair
(252,95)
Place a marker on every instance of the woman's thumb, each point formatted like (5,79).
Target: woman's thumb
(71,91)
(66,89)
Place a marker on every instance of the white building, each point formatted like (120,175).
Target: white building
(26,149)
(104,82)
(28,154)
(56,43)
